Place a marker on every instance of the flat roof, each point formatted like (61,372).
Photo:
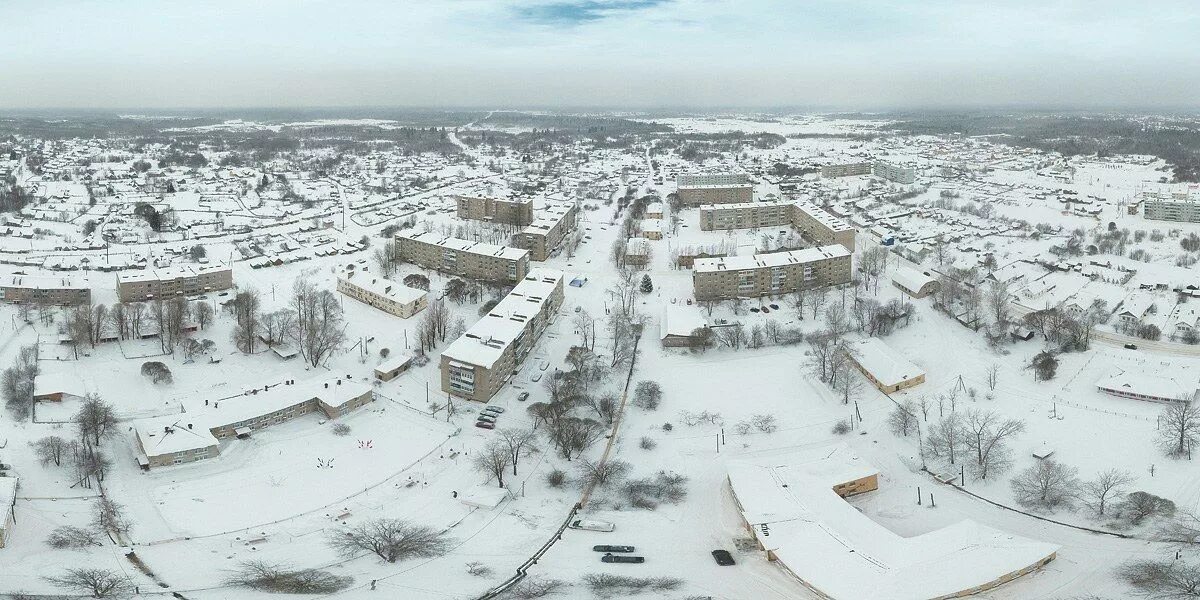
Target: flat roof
(169,273)
(548,218)
(887,366)
(680,320)
(42,282)
(484,343)
(170,434)
(836,549)
(773,259)
(394,363)
(1154,386)
(430,237)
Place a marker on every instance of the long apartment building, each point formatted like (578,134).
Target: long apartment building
(518,212)
(1179,204)
(197,435)
(472,260)
(44,290)
(803,216)
(846,169)
(728,188)
(384,294)
(476,365)
(545,235)
(169,282)
(770,274)
(894,173)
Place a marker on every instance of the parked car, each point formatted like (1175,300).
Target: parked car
(614,558)
(592,525)
(609,549)
(723,557)
(493,409)
(523,396)
(488,418)
(485,424)
(1131,346)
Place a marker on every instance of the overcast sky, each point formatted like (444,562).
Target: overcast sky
(616,53)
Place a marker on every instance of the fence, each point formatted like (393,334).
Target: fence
(532,560)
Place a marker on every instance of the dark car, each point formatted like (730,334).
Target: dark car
(523,396)
(723,557)
(1131,346)
(765,310)
(607,548)
(613,558)
(486,418)
(485,425)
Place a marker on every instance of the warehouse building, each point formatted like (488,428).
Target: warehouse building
(476,365)
(472,260)
(770,274)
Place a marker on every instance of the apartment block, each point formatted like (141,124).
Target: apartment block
(472,260)
(846,169)
(161,284)
(805,217)
(770,274)
(544,237)
(518,212)
(1173,205)
(894,173)
(729,188)
(476,365)
(43,290)
(386,295)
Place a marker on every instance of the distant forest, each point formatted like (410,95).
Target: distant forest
(1176,140)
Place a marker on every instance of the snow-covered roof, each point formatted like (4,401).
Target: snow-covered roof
(834,548)
(484,343)
(1152,387)
(911,279)
(42,282)
(680,320)
(170,434)
(383,288)
(169,273)
(430,237)
(773,259)
(887,366)
(393,363)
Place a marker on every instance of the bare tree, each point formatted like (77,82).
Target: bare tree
(571,435)
(601,474)
(283,579)
(945,439)
(1106,488)
(137,318)
(120,320)
(1138,506)
(585,326)
(518,442)
(986,434)
(95,420)
(1178,427)
(647,395)
(1047,484)
(276,326)
(386,257)
(389,539)
(993,376)
(70,537)
(51,449)
(100,583)
(903,419)
(1162,579)
(732,335)
(17,382)
(822,346)
(318,328)
(204,314)
(493,460)
(109,516)
(997,300)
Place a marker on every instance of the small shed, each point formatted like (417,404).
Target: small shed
(393,367)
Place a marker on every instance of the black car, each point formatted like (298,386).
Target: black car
(607,548)
(613,558)
(1131,346)
(723,557)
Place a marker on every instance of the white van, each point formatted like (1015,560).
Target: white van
(592,525)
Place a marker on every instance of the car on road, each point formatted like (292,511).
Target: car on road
(609,549)
(523,396)
(494,409)
(485,425)
(486,417)
(591,525)
(1131,346)
(723,557)
(614,558)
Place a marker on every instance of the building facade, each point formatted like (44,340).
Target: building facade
(544,237)
(894,173)
(770,274)
(476,365)
(388,296)
(805,217)
(518,212)
(43,290)
(472,260)
(1179,205)
(846,169)
(170,282)
(729,188)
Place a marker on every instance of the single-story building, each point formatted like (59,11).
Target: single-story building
(796,509)
(679,321)
(887,369)
(1154,388)
(914,283)
(393,367)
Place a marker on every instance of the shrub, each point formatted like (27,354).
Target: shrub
(341,429)
(647,443)
(157,372)
(841,427)
(556,478)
